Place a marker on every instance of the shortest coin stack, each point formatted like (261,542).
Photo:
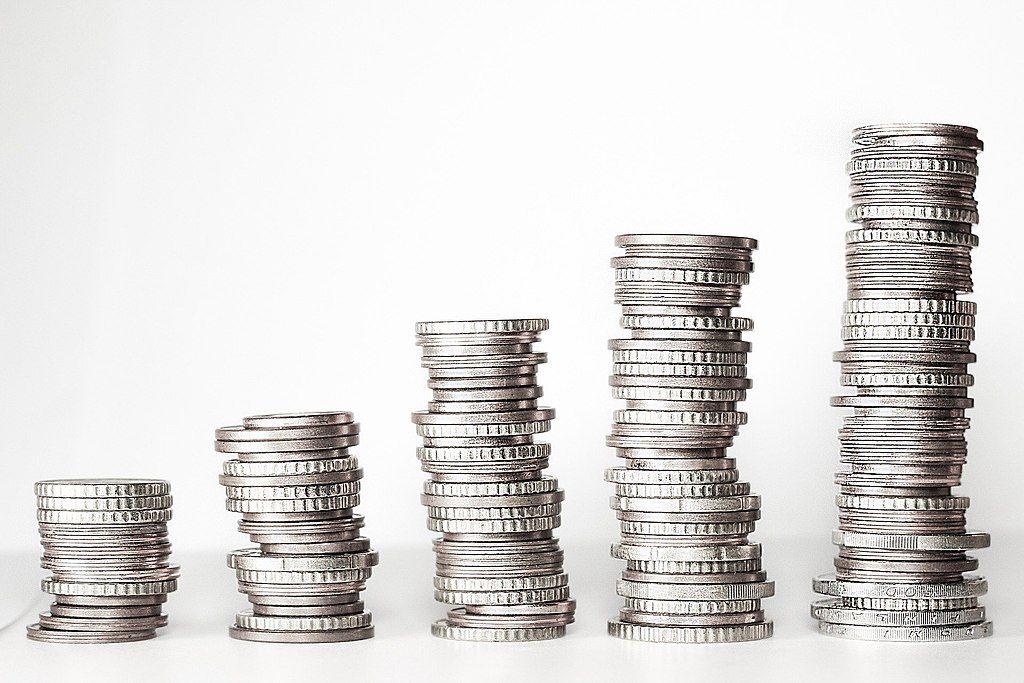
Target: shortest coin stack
(296,485)
(105,543)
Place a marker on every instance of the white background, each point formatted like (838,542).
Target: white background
(213,209)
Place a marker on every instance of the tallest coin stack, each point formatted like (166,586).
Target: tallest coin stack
(691,574)
(906,346)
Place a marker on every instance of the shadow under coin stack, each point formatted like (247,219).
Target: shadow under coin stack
(691,574)
(487,494)
(105,541)
(296,485)
(902,534)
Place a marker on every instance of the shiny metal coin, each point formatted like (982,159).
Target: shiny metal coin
(45,635)
(691,634)
(338,636)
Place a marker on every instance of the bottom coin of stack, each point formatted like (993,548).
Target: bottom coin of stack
(296,485)
(105,543)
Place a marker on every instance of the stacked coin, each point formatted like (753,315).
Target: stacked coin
(105,542)
(487,495)
(295,484)
(902,537)
(691,574)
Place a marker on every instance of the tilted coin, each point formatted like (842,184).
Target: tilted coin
(287,420)
(102,625)
(242,433)
(45,635)
(287,446)
(558,607)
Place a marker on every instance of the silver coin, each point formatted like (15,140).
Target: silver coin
(835,612)
(907,633)
(971,586)
(242,433)
(255,622)
(101,488)
(122,612)
(460,618)
(355,545)
(338,636)
(45,635)
(287,420)
(101,625)
(303,601)
(308,610)
(691,634)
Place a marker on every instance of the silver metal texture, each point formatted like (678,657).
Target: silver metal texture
(691,575)
(902,536)
(106,546)
(487,494)
(296,484)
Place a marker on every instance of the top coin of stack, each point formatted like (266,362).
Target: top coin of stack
(487,494)
(902,534)
(691,574)
(295,484)
(105,541)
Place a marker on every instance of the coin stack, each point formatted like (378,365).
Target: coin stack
(105,542)
(691,574)
(487,496)
(902,537)
(296,485)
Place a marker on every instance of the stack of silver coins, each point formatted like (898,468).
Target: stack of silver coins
(902,537)
(691,576)
(105,542)
(296,485)
(487,495)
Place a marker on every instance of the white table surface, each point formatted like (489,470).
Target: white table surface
(399,596)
